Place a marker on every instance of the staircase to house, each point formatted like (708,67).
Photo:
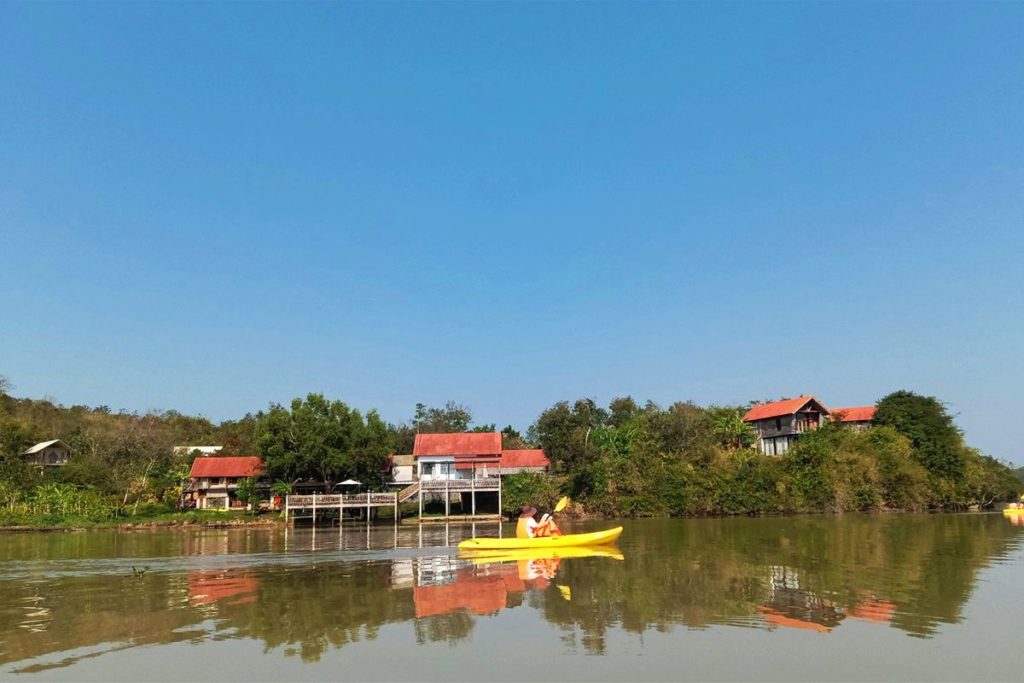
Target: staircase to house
(408,492)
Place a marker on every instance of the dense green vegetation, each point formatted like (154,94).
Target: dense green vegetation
(623,460)
(636,460)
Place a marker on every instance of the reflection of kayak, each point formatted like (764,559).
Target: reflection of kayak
(568,540)
(506,555)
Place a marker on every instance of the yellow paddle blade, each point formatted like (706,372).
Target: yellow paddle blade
(562,503)
(566,592)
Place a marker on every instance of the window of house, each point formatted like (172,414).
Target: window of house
(778,423)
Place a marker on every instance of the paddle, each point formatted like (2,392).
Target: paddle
(559,506)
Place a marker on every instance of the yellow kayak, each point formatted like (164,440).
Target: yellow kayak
(506,555)
(566,541)
(1013,512)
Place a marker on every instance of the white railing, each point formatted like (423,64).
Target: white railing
(337,500)
(479,484)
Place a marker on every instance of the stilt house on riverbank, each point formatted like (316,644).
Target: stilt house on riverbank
(780,423)
(213,480)
(464,466)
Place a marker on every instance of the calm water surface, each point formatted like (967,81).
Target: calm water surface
(894,597)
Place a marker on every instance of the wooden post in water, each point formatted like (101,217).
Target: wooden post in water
(447,496)
(314,509)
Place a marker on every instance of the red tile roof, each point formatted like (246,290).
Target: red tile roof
(226,466)
(525,457)
(789,406)
(854,414)
(473,443)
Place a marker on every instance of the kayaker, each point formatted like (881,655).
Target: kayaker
(527,525)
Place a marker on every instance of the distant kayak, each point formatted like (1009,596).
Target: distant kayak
(516,554)
(566,541)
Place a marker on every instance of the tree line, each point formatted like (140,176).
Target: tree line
(626,459)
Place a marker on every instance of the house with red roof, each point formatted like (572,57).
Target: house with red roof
(856,417)
(465,466)
(524,460)
(457,456)
(213,480)
(780,423)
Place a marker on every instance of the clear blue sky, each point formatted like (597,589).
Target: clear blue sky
(211,207)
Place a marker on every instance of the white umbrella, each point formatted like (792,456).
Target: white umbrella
(350,482)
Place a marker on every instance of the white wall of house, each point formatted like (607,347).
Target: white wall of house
(402,474)
(439,468)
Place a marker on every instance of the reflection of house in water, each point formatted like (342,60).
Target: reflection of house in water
(873,609)
(791,606)
(403,573)
(481,590)
(435,571)
(214,586)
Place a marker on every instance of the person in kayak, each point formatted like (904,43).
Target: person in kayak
(529,527)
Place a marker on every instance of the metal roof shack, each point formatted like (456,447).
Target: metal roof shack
(52,453)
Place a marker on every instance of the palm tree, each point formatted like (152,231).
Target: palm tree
(733,432)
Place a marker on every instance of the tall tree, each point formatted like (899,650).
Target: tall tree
(564,431)
(451,418)
(322,440)
(937,443)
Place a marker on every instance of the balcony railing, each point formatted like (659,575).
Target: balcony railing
(337,499)
(478,484)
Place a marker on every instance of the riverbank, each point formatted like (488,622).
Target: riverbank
(189,519)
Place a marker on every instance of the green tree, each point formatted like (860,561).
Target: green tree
(322,440)
(733,432)
(563,431)
(937,443)
(451,418)
(248,492)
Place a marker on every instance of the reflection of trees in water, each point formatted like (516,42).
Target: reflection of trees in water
(912,572)
(451,627)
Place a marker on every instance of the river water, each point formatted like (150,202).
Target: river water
(881,597)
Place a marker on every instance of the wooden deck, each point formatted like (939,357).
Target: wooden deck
(314,505)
